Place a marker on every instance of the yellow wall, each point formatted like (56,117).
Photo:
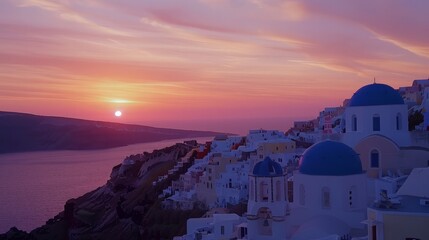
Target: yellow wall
(402,226)
(268,148)
(206,189)
(391,156)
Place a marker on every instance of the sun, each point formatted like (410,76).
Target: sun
(118,113)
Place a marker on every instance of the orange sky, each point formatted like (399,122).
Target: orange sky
(204,64)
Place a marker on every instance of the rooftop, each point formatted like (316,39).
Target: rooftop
(330,158)
(408,204)
(267,168)
(376,94)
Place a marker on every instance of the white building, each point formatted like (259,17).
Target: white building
(218,227)
(267,207)
(425,106)
(376,109)
(256,136)
(377,128)
(224,143)
(232,185)
(330,188)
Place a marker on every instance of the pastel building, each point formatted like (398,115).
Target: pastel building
(206,187)
(330,120)
(281,150)
(274,147)
(408,216)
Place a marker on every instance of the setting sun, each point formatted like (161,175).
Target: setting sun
(118,113)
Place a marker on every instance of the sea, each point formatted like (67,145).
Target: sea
(34,186)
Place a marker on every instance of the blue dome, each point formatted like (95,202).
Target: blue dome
(330,158)
(267,168)
(376,94)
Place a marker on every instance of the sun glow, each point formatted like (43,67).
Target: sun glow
(118,113)
(120,101)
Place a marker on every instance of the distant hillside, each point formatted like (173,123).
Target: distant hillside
(21,132)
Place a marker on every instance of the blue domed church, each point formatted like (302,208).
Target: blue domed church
(376,127)
(329,188)
(330,195)
(267,206)
(376,109)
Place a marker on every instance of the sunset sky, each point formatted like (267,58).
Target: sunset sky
(204,64)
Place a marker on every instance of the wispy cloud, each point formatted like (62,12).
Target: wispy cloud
(201,56)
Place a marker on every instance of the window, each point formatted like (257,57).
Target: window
(352,196)
(374,232)
(375,159)
(252,193)
(326,198)
(243,231)
(398,122)
(278,191)
(222,230)
(354,123)
(264,191)
(376,123)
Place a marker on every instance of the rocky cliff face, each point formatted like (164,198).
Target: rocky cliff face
(120,208)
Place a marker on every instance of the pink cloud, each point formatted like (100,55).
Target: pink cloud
(208,57)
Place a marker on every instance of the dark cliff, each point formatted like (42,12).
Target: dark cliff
(21,132)
(127,206)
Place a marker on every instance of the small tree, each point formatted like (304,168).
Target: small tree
(414,120)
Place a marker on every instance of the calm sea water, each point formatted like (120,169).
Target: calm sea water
(34,186)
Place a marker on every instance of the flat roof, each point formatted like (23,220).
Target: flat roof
(408,204)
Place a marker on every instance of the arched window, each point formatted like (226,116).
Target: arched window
(398,121)
(376,123)
(375,159)
(326,198)
(264,191)
(289,191)
(354,123)
(252,190)
(301,195)
(278,191)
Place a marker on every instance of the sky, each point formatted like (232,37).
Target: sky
(225,65)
